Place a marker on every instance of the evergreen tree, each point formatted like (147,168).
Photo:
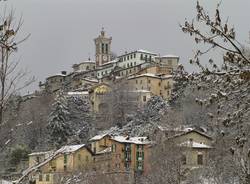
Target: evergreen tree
(58,121)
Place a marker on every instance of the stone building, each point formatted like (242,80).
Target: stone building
(159,85)
(195,148)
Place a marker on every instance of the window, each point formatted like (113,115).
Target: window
(65,167)
(134,55)
(136,81)
(65,158)
(131,64)
(149,81)
(107,48)
(40,177)
(87,67)
(125,58)
(129,71)
(200,159)
(159,83)
(127,64)
(37,159)
(134,63)
(141,81)
(103,48)
(128,57)
(144,98)
(131,56)
(150,58)
(113,148)
(47,177)
(79,157)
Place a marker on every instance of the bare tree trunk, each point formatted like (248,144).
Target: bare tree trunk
(12,80)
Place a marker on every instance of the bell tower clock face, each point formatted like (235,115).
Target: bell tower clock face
(104,58)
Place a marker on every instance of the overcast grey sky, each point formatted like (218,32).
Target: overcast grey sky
(62,31)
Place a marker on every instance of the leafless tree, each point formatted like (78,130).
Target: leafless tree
(165,164)
(229,83)
(120,103)
(12,79)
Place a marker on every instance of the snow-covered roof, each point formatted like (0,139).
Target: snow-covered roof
(83,62)
(145,51)
(193,144)
(40,153)
(132,140)
(91,80)
(57,75)
(144,75)
(168,56)
(190,130)
(98,137)
(71,148)
(87,61)
(78,93)
(176,129)
(150,75)
(110,62)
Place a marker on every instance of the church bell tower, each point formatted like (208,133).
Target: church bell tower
(103,48)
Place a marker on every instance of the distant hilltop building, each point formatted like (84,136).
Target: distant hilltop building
(144,70)
(103,49)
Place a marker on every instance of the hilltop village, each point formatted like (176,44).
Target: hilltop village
(143,73)
(137,117)
(136,77)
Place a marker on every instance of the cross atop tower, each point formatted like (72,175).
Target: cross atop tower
(103,32)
